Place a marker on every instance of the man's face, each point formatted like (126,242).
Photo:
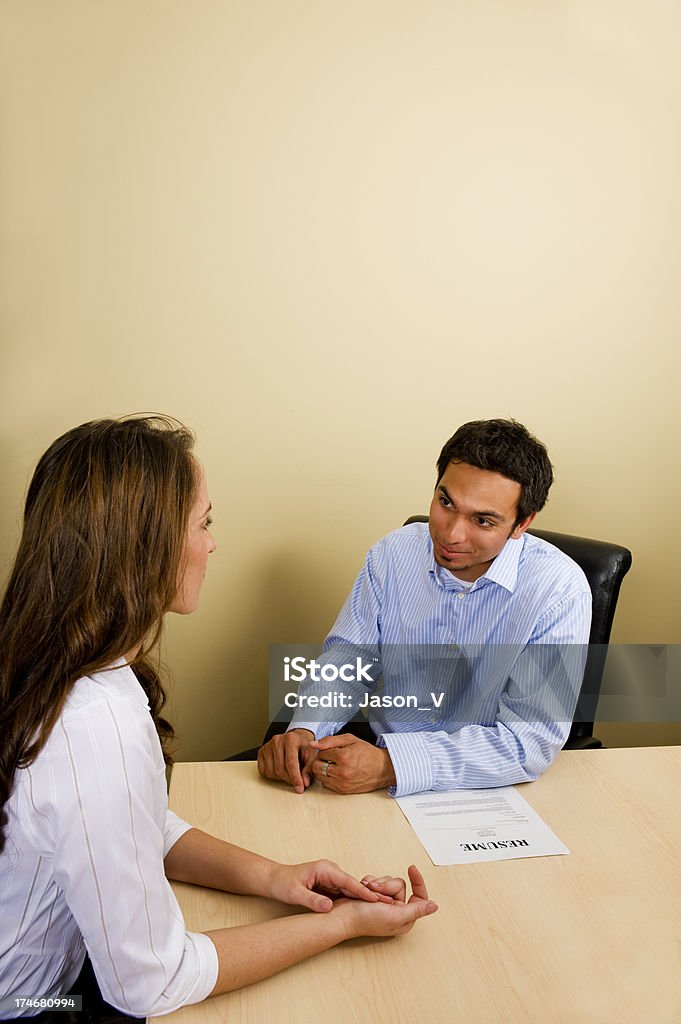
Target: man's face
(471,518)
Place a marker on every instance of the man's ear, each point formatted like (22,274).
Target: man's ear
(519,530)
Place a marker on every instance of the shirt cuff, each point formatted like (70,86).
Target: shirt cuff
(411,761)
(319,729)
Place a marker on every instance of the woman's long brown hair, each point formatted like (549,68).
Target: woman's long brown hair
(97,567)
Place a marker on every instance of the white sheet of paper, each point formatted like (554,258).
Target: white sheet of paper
(468,825)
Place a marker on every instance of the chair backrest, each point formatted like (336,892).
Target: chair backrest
(605,565)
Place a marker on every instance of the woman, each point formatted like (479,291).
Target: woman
(116,533)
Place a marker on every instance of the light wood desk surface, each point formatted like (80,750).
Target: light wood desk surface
(589,938)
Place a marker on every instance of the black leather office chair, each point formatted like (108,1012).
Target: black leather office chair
(605,565)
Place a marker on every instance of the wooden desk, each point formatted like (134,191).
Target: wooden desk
(590,938)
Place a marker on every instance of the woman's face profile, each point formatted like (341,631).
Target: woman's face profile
(199,544)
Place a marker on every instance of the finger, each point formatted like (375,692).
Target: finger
(334,755)
(282,746)
(321,769)
(369,879)
(278,757)
(331,783)
(393,887)
(421,908)
(418,886)
(309,757)
(265,763)
(330,878)
(278,764)
(343,739)
(313,900)
(292,763)
(349,886)
(405,914)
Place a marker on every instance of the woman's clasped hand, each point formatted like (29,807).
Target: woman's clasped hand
(372,906)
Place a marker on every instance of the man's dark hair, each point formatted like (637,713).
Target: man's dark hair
(506,447)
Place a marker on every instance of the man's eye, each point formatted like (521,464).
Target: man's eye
(445,502)
(481,521)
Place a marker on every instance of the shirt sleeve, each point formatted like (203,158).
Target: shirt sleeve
(107,830)
(174,829)
(354,644)
(532,723)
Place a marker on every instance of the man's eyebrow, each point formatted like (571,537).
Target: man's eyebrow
(491,514)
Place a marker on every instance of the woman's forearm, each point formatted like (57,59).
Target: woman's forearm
(251,952)
(202,859)
(255,951)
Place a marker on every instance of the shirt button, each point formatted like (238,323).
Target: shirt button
(460,596)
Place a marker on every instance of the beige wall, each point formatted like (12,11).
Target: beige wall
(325,234)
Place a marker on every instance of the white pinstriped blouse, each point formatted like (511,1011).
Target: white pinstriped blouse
(82,867)
(504,659)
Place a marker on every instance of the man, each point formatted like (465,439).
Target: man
(480,623)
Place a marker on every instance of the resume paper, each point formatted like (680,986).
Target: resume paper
(469,825)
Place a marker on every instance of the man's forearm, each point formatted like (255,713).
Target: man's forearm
(474,757)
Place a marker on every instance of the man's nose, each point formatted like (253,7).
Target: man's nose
(457,532)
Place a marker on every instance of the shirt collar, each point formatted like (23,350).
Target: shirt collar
(503,570)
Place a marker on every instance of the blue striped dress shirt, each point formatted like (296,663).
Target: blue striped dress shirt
(495,666)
